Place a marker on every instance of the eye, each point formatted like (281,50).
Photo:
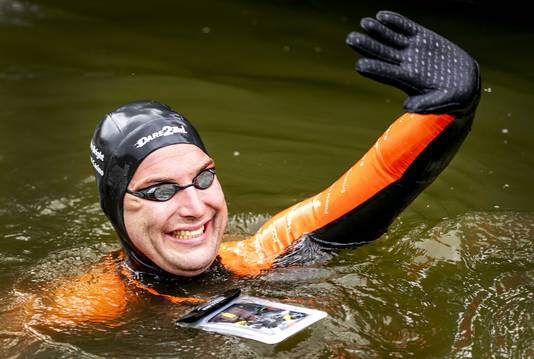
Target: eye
(164,192)
(204,178)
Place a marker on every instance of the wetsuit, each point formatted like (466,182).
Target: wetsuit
(443,87)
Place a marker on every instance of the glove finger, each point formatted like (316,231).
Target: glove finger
(386,73)
(371,48)
(383,34)
(397,22)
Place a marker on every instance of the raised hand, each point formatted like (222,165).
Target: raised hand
(437,75)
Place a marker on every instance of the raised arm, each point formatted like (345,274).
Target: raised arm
(443,86)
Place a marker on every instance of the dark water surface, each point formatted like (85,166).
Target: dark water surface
(271,87)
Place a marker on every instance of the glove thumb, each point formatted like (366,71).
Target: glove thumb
(427,103)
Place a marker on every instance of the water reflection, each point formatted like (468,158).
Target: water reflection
(18,13)
(467,281)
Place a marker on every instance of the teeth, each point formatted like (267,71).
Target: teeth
(189,234)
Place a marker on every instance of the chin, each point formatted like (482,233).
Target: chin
(192,268)
(190,272)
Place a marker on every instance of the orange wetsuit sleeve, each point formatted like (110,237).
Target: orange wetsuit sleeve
(359,206)
(99,295)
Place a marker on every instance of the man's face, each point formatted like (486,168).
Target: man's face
(181,235)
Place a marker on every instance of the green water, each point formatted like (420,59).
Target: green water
(271,87)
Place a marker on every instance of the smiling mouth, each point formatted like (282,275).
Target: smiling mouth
(186,235)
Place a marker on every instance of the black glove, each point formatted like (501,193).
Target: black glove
(437,75)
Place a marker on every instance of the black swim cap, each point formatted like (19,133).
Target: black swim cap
(120,142)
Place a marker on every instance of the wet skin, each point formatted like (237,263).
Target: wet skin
(181,235)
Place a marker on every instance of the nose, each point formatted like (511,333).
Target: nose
(189,203)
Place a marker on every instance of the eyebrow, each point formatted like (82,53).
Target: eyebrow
(148,182)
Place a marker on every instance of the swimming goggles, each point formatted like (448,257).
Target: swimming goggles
(165,191)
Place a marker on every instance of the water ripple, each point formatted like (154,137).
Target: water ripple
(467,280)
